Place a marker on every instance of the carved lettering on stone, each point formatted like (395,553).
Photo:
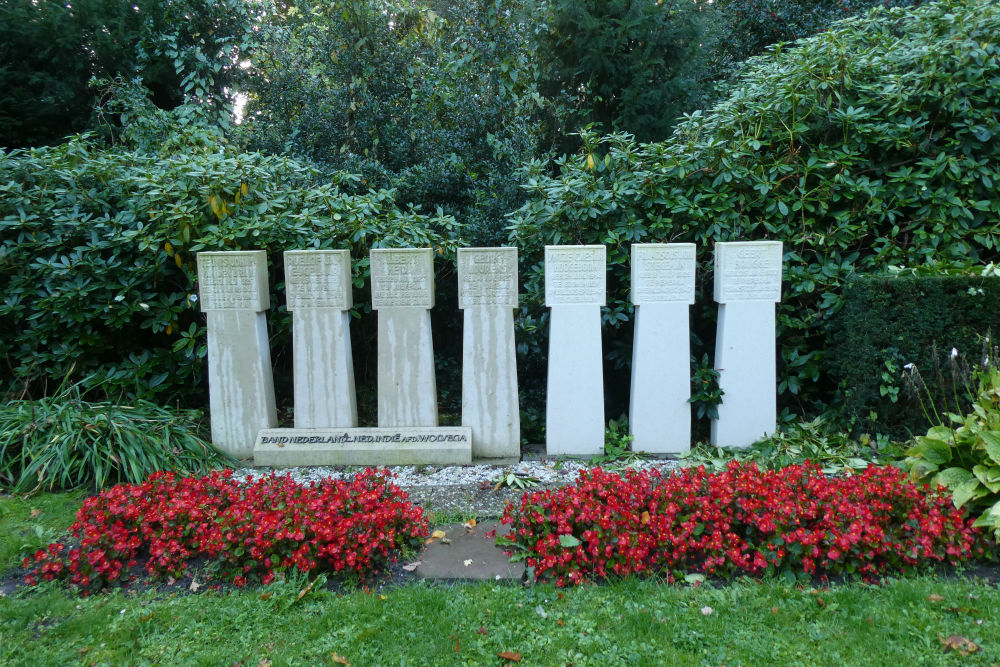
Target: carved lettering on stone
(402,278)
(318,279)
(575,275)
(487,277)
(234,280)
(663,273)
(748,271)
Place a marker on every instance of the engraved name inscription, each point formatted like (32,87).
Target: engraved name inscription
(318,279)
(487,276)
(232,281)
(663,273)
(748,271)
(402,278)
(574,275)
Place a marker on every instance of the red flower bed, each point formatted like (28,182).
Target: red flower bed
(248,530)
(741,521)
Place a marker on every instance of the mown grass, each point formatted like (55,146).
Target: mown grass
(627,622)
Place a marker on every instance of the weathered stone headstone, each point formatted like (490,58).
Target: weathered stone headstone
(318,292)
(662,291)
(747,285)
(487,292)
(403,293)
(575,286)
(233,295)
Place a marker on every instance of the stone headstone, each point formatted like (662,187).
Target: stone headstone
(403,294)
(575,285)
(234,296)
(487,292)
(662,291)
(747,285)
(434,445)
(318,291)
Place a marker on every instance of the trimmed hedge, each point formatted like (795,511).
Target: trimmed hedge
(889,322)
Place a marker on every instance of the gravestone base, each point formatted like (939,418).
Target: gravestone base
(745,357)
(659,412)
(574,414)
(291,447)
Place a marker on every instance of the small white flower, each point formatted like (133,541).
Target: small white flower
(144,306)
(954,353)
(706,611)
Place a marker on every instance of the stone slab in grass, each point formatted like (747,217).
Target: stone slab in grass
(396,446)
(468,554)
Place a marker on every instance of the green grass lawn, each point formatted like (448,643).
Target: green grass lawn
(627,622)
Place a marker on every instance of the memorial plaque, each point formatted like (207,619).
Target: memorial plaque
(487,277)
(233,280)
(748,271)
(434,445)
(663,273)
(575,275)
(402,278)
(318,279)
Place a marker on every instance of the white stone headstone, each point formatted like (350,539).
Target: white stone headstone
(662,292)
(747,285)
(403,293)
(319,295)
(487,292)
(575,286)
(233,295)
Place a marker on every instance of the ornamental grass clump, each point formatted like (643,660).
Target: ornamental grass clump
(247,531)
(743,520)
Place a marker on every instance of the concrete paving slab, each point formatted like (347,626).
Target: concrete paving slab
(468,554)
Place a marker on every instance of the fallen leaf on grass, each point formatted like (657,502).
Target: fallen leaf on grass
(264,662)
(820,602)
(482,630)
(339,659)
(266,596)
(962,610)
(934,597)
(775,610)
(145,618)
(194,586)
(959,644)
(34,514)
(410,567)
(438,534)
(458,644)
(513,656)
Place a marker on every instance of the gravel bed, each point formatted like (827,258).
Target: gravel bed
(470,490)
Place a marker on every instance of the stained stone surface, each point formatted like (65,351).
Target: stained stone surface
(575,285)
(233,295)
(747,285)
(318,291)
(487,279)
(403,293)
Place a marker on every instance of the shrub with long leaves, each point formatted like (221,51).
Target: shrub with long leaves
(63,441)
(740,521)
(248,530)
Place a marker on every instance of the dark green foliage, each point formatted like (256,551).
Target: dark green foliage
(435,104)
(50,50)
(871,145)
(889,322)
(627,65)
(64,442)
(97,265)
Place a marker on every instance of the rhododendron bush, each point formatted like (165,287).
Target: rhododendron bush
(245,530)
(740,521)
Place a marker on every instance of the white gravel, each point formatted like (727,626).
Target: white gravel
(546,472)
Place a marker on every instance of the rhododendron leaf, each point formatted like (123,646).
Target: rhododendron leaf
(992,440)
(939,433)
(966,491)
(951,477)
(568,541)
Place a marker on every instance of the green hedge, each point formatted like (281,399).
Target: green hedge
(97,255)
(870,145)
(897,335)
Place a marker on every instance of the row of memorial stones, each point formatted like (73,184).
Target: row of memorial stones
(234,296)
